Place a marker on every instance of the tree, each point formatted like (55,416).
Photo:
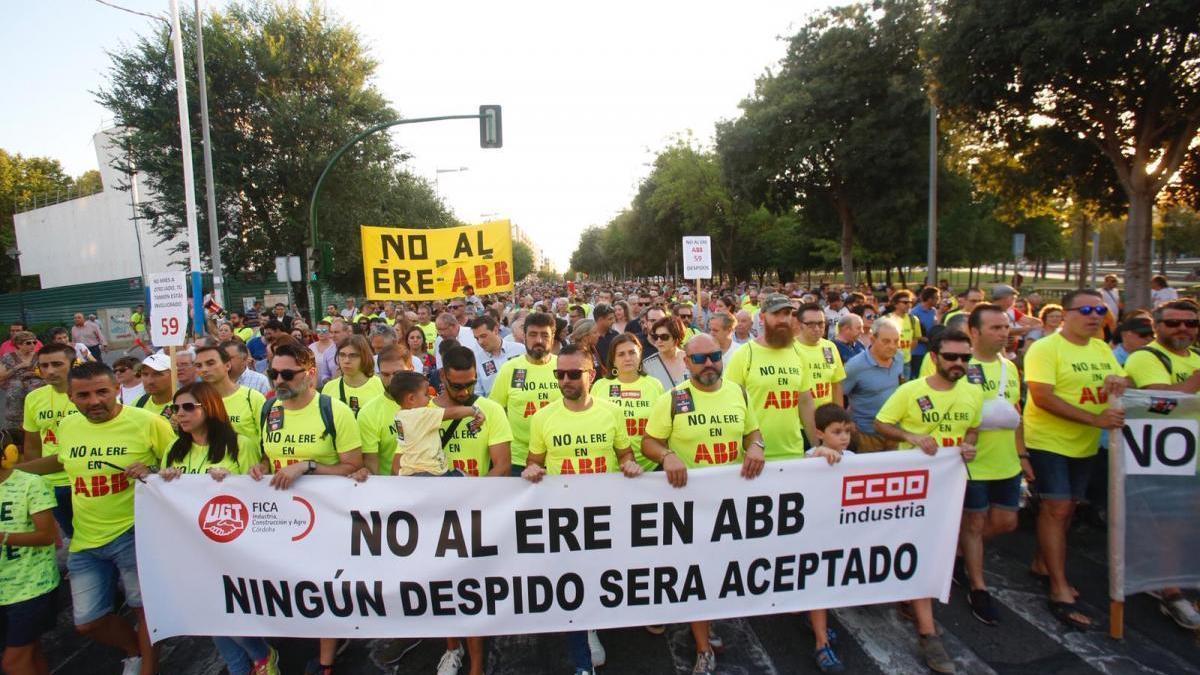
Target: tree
(23,179)
(1113,83)
(523,261)
(839,132)
(287,86)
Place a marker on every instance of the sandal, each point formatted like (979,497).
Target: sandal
(1070,614)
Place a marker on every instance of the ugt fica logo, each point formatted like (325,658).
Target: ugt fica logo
(223,518)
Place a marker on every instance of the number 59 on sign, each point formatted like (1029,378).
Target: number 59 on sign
(168,309)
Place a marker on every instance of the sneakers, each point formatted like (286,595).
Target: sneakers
(706,664)
(959,577)
(934,653)
(1181,611)
(269,665)
(715,642)
(132,666)
(983,608)
(597,649)
(828,661)
(451,661)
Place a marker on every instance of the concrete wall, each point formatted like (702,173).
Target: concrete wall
(92,238)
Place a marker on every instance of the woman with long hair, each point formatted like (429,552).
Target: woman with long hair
(628,387)
(667,365)
(18,376)
(207,444)
(357,385)
(621,315)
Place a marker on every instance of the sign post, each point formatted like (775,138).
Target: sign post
(697,260)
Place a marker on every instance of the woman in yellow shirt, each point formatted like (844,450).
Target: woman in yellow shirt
(358,385)
(628,387)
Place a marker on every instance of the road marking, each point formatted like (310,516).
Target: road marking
(744,653)
(891,642)
(1133,655)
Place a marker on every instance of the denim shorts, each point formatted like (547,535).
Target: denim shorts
(1002,493)
(22,623)
(94,574)
(1060,477)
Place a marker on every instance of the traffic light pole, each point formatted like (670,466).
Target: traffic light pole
(489,117)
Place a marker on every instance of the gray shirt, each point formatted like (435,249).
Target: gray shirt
(255,380)
(868,385)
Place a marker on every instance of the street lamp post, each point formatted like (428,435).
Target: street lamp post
(490,136)
(14,253)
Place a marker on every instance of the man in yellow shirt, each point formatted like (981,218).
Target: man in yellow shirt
(774,375)
(820,356)
(299,413)
(526,384)
(679,442)
(101,443)
(242,404)
(45,407)
(1072,379)
(910,327)
(579,434)
(940,411)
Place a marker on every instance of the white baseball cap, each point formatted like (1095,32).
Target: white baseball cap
(160,362)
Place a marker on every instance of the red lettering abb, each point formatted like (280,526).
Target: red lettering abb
(1090,395)
(635,427)
(102,485)
(469,467)
(585,465)
(821,390)
(783,400)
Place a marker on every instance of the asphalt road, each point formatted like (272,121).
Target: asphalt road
(873,639)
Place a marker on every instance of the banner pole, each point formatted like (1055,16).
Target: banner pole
(174,372)
(1116,534)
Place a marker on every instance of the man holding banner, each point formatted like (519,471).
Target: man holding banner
(678,438)
(527,384)
(941,410)
(1071,376)
(1169,363)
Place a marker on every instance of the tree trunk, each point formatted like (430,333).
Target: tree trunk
(1138,232)
(903,277)
(1067,269)
(846,218)
(870,283)
(1084,234)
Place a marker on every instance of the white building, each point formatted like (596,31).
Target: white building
(92,238)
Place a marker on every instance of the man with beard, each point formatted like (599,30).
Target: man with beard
(45,407)
(526,384)
(482,452)
(773,372)
(299,412)
(602,445)
(102,549)
(942,410)
(678,444)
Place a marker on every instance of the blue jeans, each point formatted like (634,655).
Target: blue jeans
(241,653)
(94,574)
(578,650)
(64,512)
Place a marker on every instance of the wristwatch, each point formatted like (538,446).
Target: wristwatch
(312,467)
(759,443)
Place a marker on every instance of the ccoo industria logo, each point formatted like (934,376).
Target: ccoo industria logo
(223,518)
(896,495)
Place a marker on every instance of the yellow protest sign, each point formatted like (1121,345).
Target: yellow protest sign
(407,264)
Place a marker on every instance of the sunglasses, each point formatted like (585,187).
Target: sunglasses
(699,359)
(573,374)
(1176,323)
(29,342)
(1088,310)
(120,370)
(956,356)
(685,316)
(660,337)
(287,374)
(186,407)
(464,386)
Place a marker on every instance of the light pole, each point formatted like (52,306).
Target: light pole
(214,239)
(437,178)
(15,253)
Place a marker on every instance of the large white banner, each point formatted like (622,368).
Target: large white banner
(430,557)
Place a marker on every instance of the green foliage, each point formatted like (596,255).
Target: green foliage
(523,261)
(1181,231)
(286,87)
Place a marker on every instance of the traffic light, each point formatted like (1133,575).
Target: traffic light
(490,133)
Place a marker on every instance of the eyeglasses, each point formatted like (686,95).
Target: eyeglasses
(686,317)
(660,337)
(573,374)
(699,359)
(120,370)
(186,407)
(29,342)
(287,374)
(1088,310)
(903,301)
(956,356)
(347,355)
(1176,323)
(813,324)
(456,306)
(462,387)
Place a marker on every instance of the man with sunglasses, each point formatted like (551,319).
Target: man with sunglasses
(910,327)
(773,372)
(526,384)
(940,411)
(821,357)
(599,443)
(676,442)
(1073,378)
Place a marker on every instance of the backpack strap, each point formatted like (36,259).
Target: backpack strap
(142,400)
(448,433)
(1162,358)
(325,405)
(342,389)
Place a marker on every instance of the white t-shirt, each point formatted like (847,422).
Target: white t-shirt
(1161,295)
(129,395)
(487,365)
(465,338)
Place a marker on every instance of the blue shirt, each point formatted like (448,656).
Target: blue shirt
(928,319)
(849,351)
(868,385)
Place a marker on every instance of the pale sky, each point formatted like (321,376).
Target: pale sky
(590,93)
